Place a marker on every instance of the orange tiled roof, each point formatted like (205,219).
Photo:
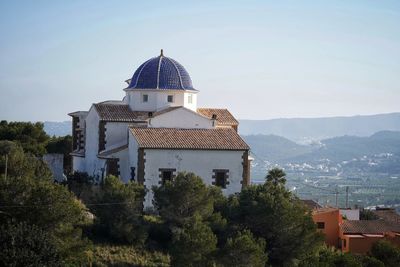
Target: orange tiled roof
(119,112)
(368,227)
(122,113)
(224,117)
(192,139)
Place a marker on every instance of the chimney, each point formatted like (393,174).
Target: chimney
(213,118)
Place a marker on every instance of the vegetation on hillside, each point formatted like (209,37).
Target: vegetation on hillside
(193,224)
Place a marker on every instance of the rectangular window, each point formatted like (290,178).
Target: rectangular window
(145,98)
(170,98)
(190,98)
(220,178)
(166,175)
(320,225)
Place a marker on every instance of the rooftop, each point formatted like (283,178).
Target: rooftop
(224,117)
(190,139)
(368,227)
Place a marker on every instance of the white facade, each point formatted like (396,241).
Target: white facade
(200,162)
(154,100)
(104,143)
(351,214)
(181,118)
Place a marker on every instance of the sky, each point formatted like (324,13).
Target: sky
(259,59)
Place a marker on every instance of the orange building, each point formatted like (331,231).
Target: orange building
(356,236)
(359,236)
(328,221)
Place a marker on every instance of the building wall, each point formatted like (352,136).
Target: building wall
(193,105)
(157,99)
(93,164)
(358,244)
(200,162)
(332,219)
(362,244)
(351,214)
(181,118)
(124,165)
(133,154)
(116,134)
(79,164)
(55,162)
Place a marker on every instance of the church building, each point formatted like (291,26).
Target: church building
(157,130)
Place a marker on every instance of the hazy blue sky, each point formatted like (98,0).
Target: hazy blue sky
(260,59)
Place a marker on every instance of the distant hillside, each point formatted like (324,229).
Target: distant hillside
(279,149)
(275,148)
(349,147)
(322,128)
(58,128)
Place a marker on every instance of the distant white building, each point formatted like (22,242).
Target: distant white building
(157,130)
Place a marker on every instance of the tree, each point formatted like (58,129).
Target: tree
(368,215)
(194,244)
(31,136)
(386,252)
(271,212)
(49,206)
(179,200)
(27,245)
(276,176)
(244,250)
(328,256)
(368,261)
(119,212)
(21,164)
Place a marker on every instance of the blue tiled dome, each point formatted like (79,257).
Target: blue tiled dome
(161,73)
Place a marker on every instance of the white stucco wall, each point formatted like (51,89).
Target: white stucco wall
(157,99)
(181,118)
(93,163)
(351,214)
(116,134)
(133,154)
(193,105)
(200,162)
(79,164)
(56,164)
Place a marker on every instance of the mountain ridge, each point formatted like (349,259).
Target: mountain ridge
(308,129)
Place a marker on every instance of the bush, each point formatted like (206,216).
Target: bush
(119,211)
(193,244)
(27,245)
(387,253)
(121,256)
(244,250)
(51,207)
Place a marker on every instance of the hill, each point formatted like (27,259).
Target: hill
(306,129)
(57,128)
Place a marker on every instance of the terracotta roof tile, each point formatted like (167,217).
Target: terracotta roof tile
(224,117)
(122,112)
(369,227)
(192,139)
(119,112)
